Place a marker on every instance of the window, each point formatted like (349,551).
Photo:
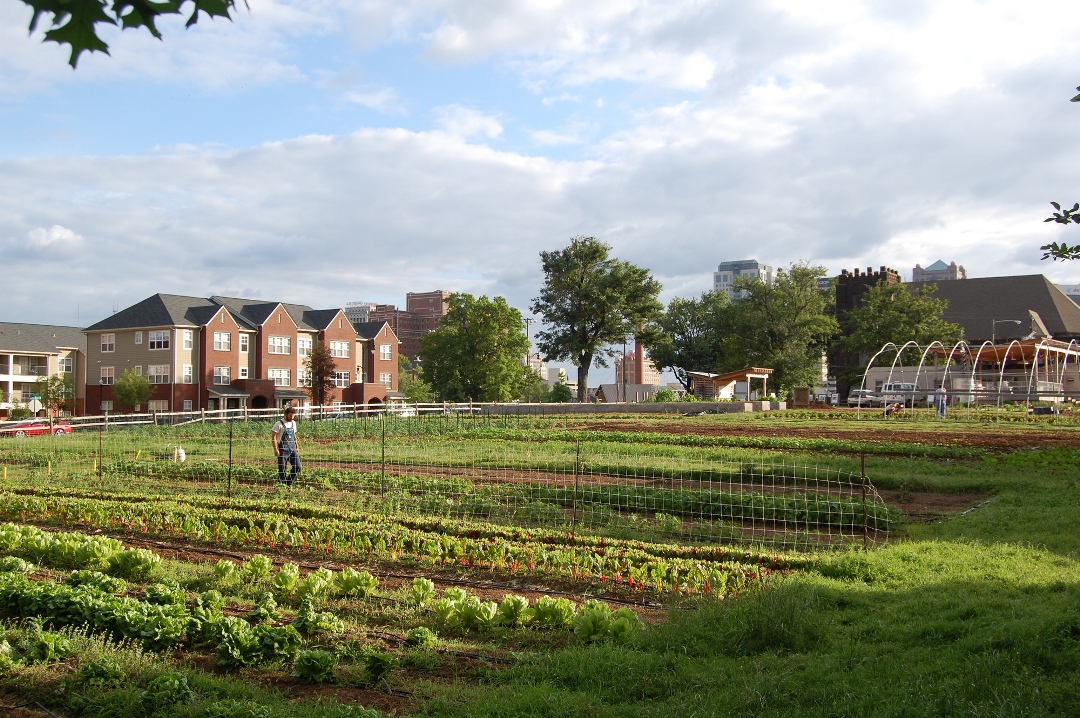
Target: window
(387,379)
(303,377)
(108,342)
(189,339)
(157,405)
(186,375)
(243,373)
(187,404)
(138,370)
(138,337)
(280,377)
(280,345)
(66,365)
(106,376)
(339,349)
(222,375)
(303,347)
(244,342)
(159,340)
(158,373)
(341,379)
(386,352)
(106,405)
(222,342)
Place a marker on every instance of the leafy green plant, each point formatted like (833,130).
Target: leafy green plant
(315,666)
(226,573)
(101,673)
(553,612)
(46,647)
(265,610)
(165,594)
(355,583)
(277,643)
(446,612)
(14,564)
(422,591)
(421,637)
(287,579)
(475,613)
(166,692)
(96,579)
(230,708)
(455,594)
(133,563)
(257,567)
(315,585)
(308,620)
(377,666)
(8,656)
(212,600)
(239,645)
(514,610)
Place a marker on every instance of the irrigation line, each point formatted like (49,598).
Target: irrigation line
(29,703)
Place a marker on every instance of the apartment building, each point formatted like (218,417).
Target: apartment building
(223,353)
(31,351)
(422,314)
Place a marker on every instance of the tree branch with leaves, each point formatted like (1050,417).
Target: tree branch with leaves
(75,22)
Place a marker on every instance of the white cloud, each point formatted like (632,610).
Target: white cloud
(41,237)
(467,123)
(382,100)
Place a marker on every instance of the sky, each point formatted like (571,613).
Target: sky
(327,151)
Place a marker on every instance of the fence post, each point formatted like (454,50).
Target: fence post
(100,431)
(862,484)
(382,474)
(229,489)
(577,472)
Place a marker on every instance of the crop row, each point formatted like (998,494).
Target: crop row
(369,537)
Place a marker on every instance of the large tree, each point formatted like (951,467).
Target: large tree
(891,313)
(590,301)
(74,22)
(691,335)
(476,353)
(410,384)
(132,390)
(784,325)
(320,362)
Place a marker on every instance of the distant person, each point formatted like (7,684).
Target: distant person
(891,409)
(283,438)
(941,401)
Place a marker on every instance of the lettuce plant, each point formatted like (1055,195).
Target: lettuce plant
(514,610)
(422,591)
(314,666)
(133,562)
(287,579)
(226,573)
(257,567)
(421,637)
(355,583)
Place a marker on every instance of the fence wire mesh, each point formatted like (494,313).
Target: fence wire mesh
(494,469)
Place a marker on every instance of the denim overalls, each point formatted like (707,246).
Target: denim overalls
(287,454)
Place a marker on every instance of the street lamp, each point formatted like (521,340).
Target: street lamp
(993,327)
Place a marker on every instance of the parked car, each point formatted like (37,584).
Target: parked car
(35,427)
(899,393)
(861,397)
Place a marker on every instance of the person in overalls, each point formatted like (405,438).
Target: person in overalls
(283,438)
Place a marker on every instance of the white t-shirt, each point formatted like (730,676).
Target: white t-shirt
(279,428)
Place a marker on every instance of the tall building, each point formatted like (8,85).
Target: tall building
(727,272)
(639,368)
(850,288)
(358,312)
(938,272)
(422,314)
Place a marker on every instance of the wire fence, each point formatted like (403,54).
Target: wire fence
(485,469)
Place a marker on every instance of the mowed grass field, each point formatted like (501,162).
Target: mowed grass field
(972,609)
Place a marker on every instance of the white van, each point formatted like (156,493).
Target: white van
(898,392)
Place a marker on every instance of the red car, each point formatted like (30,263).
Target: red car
(35,427)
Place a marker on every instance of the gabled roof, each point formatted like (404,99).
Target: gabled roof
(319,319)
(976,304)
(250,312)
(160,310)
(370,330)
(39,338)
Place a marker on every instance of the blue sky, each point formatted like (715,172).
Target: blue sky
(331,150)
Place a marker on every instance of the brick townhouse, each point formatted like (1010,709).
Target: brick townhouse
(230,353)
